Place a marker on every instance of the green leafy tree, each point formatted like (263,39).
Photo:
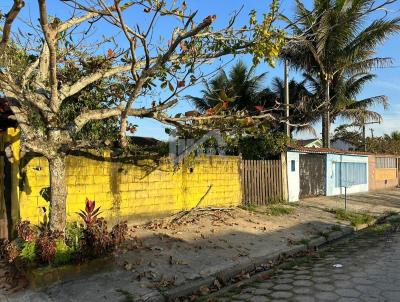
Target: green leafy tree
(33,63)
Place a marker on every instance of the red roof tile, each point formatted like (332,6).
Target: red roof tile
(334,151)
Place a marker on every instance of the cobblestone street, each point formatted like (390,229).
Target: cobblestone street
(362,268)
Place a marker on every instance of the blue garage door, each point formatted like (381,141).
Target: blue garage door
(350,174)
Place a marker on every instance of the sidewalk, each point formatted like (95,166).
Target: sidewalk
(170,260)
(373,202)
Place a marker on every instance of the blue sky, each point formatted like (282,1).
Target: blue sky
(386,83)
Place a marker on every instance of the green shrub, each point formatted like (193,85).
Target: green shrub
(63,253)
(73,235)
(28,252)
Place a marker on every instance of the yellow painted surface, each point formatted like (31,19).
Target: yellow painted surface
(385,174)
(3,136)
(133,191)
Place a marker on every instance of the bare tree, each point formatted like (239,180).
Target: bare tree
(32,60)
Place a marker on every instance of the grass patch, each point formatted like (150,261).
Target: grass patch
(336,228)
(272,209)
(379,228)
(304,241)
(279,210)
(354,218)
(249,207)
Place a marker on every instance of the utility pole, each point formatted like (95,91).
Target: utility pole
(372,132)
(364,135)
(287,126)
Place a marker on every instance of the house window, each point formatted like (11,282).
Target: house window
(350,174)
(386,163)
(293,165)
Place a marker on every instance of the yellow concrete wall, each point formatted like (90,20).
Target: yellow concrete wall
(135,192)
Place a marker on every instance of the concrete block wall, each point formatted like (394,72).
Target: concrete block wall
(136,192)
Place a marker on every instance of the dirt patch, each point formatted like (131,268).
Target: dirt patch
(206,241)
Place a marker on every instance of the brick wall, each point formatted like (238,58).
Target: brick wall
(134,191)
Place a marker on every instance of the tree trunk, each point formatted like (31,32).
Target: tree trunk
(58,193)
(326,119)
(122,130)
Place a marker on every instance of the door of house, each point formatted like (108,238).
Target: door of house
(312,175)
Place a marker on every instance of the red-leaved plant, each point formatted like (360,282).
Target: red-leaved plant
(90,214)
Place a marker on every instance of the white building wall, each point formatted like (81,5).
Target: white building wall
(331,189)
(293,176)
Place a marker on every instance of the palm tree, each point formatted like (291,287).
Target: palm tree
(238,89)
(344,102)
(395,135)
(301,102)
(334,43)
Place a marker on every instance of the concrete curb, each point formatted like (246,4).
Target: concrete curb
(250,265)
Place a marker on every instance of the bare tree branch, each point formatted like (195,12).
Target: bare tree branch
(101,114)
(50,34)
(10,17)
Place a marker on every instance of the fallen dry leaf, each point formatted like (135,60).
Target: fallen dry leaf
(204,290)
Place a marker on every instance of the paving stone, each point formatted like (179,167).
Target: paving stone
(348,300)
(362,281)
(321,279)
(281,295)
(324,287)
(243,297)
(304,298)
(369,273)
(285,287)
(265,285)
(303,277)
(344,284)
(347,292)
(262,291)
(257,299)
(341,276)
(391,295)
(371,298)
(329,296)
(283,281)
(302,283)
(368,289)
(302,290)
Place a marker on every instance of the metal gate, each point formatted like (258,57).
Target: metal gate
(312,175)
